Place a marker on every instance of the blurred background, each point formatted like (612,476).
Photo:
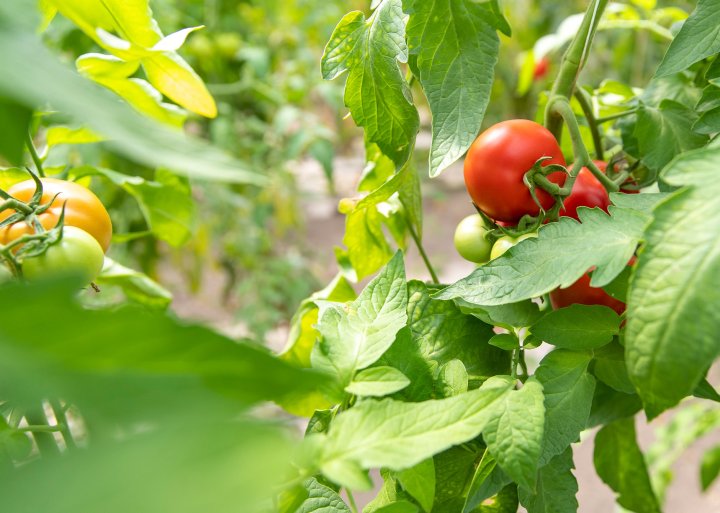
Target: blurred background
(252,255)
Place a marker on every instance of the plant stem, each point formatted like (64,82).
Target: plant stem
(45,441)
(612,117)
(586,106)
(34,154)
(351,500)
(62,421)
(573,61)
(515,362)
(423,254)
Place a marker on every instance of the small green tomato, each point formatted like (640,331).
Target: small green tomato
(504,243)
(471,239)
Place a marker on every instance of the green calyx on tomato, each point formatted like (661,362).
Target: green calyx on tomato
(506,242)
(76,252)
(471,239)
(496,164)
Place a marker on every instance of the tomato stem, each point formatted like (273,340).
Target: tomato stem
(586,105)
(421,249)
(61,418)
(573,61)
(34,154)
(613,117)
(45,441)
(351,500)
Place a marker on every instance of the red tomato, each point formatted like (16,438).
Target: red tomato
(587,191)
(582,293)
(497,161)
(541,68)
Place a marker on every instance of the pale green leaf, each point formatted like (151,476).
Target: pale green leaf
(568,390)
(672,321)
(419,482)
(321,499)
(377,382)
(135,285)
(456,72)
(562,253)
(376,91)
(514,435)
(452,379)
(398,435)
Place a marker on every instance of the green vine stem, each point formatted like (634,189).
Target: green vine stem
(421,249)
(572,63)
(62,421)
(613,117)
(45,441)
(585,102)
(34,154)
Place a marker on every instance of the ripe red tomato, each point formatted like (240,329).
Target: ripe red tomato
(82,209)
(541,68)
(497,161)
(587,191)
(582,293)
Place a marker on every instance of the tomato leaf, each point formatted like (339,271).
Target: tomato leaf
(135,285)
(621,465)
(672,320)
(664,132)
(609,405)
(698,38)
(376,92)
(610,368)
(568,391)
(14,126)
(710,467)
(514,435)
(355,336)
(578,327)
(398,435)
(321,498)
(456,72)
(419,482)
(377,382)
(487,481)
(556,488)
(452,379)
(562,252)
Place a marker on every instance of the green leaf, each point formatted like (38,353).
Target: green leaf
(407,356)
(710,467)
(444,333)
(368,249)
(506,501)
(488,480)
(419,482)
(14,445)
(708,123)
(57,135)
(568,391)
(14,129)
(377,382)
(610,405)
(672,321)
(453,470)
(562,253)
(128,133)
(452,379)
(578,327)
(456,72)
(398,435)
(506,341)
(610,368)
(556,488)
(644,202)
(665,132)
(9,176)
(376,92)
(166,202)
(698,38)
(355,336)
(398,507)
(514,436)
(621,465)
(136,286)
(509,316)
(321,499)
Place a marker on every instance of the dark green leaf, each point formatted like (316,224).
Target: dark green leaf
(14,130)
(578,327)
(710,467)
(488,480)
(419,482)
(609,405)
(621,465)
(556,488)
(610,368)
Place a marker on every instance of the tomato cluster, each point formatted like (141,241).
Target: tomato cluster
(86,234)
(494,170)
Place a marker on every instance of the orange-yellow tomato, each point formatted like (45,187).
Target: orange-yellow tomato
(82,209)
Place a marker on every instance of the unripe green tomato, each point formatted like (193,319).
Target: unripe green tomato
(228,44)
(77,252)
(504,243)
(471,239)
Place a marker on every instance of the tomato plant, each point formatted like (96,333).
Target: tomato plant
(497,162)
(76,252)
(82,209)
(471,239)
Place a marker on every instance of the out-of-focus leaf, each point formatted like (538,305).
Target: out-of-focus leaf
(135,285)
